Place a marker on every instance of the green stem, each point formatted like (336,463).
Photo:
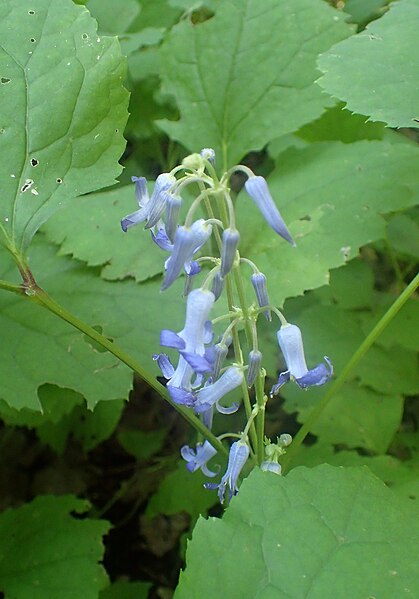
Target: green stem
(12,287)
(356,357)
(260,418)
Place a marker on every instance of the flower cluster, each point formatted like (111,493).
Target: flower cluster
(200,374)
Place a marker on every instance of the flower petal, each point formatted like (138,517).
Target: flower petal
(258,190)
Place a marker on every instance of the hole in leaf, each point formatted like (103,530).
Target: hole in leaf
(27,185)
(34,162)
(5,80)
(93,343)
(306,217)
(32,40)
(31,12)
(85,36)
(58,180)
(2,130)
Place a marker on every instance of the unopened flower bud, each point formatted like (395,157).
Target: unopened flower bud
(255,361)
(231,238)
(259,285)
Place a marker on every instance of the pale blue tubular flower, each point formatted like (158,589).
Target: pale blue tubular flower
(231,238)
(259,285)
(199,458)
(239,453)
(258,190)
(143,199)
(150,209)
(255,361)
(213,392)
(190,342)
(188,240)
(291,344)
(158,199)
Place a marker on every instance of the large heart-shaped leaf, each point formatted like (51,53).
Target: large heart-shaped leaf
(63,111)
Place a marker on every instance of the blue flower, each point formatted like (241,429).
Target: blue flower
(152,209)
(143,199)
(258,190)
(239,453)
(190,342)
(188,240)
(199,458)
(213,392)
(291,344)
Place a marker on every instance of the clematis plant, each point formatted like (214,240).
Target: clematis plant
(207,362)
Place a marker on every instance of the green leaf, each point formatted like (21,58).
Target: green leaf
(89,229)
(247,75)
(88,427)
(45,349)
(363,11)
(64,413)
(332,196)
(355,417)
(340,125)
(126,590)
(401,477)
(119,20)
(181,491)
(303,535)
(142,444)
(46,552)
(403,234)
(375,72)
(114,17)
(403,329)
(70,145)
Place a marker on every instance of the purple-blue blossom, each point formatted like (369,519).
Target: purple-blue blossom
(198,458)
(151,209)
(213,392)
(188,240)
(258,190)
(239,453)
(190,343)
(291,344)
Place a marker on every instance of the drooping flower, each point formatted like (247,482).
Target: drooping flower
(258,190)
(213,392)
(143,199)
(188,240)
(239,453)
(199,457)
(291,344)
(151,209)
(190,343)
